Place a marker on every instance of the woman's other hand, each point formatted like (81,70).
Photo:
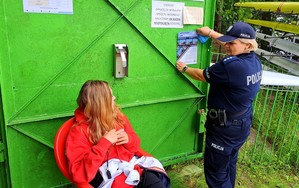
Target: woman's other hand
(204,31)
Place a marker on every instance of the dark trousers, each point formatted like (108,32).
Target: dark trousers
(150,180)
(221,153)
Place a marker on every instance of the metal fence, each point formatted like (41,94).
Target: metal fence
(276,122)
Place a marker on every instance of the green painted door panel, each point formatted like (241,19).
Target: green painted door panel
(45,58)
(4,171)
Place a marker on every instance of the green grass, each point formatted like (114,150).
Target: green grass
(250,173)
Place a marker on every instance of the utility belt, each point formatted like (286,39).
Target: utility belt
(220,117)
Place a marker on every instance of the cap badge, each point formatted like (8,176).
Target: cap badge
(230,28)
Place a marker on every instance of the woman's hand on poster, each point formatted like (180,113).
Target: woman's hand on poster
(180,65)
(204,31)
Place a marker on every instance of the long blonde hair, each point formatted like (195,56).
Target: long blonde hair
(95,99)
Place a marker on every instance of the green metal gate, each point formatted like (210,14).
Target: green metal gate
(4,177)
(45,58)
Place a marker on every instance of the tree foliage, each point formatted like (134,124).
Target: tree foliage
(227,13)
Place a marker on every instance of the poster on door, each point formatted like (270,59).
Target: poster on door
(187,47)
(48,6)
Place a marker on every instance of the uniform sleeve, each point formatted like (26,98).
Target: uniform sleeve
(134,141)
(84,159)
(216,74)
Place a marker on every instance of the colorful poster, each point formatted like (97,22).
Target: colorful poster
(187,47)
(48,6)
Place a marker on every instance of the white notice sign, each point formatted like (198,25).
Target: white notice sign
(48,6)
(167,14)
(193,15)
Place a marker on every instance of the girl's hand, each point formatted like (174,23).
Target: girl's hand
(123,137)
(112,136)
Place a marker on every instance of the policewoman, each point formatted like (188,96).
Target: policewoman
(234,83)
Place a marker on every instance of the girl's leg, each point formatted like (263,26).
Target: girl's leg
(151,180)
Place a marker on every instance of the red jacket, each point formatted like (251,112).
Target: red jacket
(84,158)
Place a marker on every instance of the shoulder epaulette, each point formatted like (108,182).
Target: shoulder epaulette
(229,59)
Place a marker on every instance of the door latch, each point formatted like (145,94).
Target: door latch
(121,60)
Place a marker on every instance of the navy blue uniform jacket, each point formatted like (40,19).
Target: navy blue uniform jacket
(234,83)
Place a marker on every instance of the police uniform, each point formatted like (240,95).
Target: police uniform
(234,83)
